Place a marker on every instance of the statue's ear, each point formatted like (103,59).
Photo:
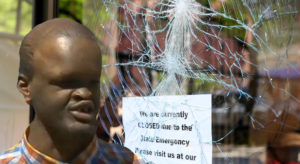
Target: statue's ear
(23,87)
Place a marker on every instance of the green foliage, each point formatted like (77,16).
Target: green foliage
(96,15)
(8,21)
(205,2)
(26,18)
(204,86)
(103,75)
(236,10)
(9,9)
(70,9)
(231,32)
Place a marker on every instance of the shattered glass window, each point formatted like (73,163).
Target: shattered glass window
(243,52)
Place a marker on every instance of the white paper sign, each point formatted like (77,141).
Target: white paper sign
(169,129)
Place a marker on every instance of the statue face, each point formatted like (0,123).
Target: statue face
(65,87)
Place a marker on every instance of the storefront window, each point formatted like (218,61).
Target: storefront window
(185,81)
(243,53)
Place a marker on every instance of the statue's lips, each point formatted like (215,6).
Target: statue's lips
(83,111)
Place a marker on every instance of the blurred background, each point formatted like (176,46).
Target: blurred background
(261,129)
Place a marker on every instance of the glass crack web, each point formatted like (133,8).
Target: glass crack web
(230,48)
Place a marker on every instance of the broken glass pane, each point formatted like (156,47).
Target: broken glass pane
(243,52)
